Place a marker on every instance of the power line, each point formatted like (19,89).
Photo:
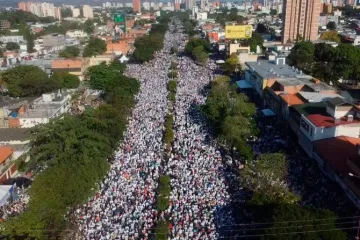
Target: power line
(299,226)
(264,223)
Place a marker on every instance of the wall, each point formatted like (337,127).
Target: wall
(32,122)
(340,111)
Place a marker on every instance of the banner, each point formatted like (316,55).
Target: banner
(238,31)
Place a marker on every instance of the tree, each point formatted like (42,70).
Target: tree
(199,54)
(66,80)
(27,81)
(195,42)
(66,12)
(261,28)
(69,52)
(308,223)
(266,177)
(117,65)
(96,46)
(30,38)
(89,26)
(302,56)
(231,64)
(331,36)
(331,26)
(100,75)
(12,46)
(255,40)
(273,12)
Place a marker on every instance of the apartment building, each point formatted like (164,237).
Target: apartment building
(301,20)
(88,12)
(136,6)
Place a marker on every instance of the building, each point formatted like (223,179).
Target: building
(195,9)
(76,66)
(118,48)
(200,16)
(15,39)
(301,20)
(189,4)
(337,157)
(76,34)
(136,6)
(53,40)
(40,111)
(88,12)
(41,9)
(96,60)
(339,118)
(177,5)
(76,12)
(204,4)
(4,24)
(7,163)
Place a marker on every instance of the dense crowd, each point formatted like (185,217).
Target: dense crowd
(199,192)
(124,207)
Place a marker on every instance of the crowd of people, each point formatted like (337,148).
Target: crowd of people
(200,201)
(199,192)
(124,207)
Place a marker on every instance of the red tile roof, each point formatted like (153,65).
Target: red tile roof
(337,150)
(5,153)
(291,99)
(327,121)
(67,63)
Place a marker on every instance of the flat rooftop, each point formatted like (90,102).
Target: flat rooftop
(268,69)
(310,108)
(317,97)
(14,134)
(41,111)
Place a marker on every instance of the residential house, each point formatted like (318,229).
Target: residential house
(41,110)
(340,119)
(7,164)
(337,157)
(118,48)
(96,60)
(75,66)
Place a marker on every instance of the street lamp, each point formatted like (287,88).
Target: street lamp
(353,175)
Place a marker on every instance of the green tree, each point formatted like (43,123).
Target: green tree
(65,80)
(308,223)
(96,46)
(27,81)
(12,46)
(117,65)
(69,52)
(331,26)
(331,36)
(302,56)
(231,64)
(66,12)
(255,40)
(273,12)
(89,27)
(100,76)
(266,177)
(199,54)
(195,42)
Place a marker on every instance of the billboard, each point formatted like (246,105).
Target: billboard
(238,31)
(120,21)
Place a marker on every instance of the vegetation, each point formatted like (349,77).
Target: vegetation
(162,230)
(198,49)
(73,151)
(227,15)
(12,46)
(173,74)
(169,132)
(255,40)
(27,81)
(61,28)
(95,46)
(325,62)
(89,26)
(231,115)
(19,17)
(101,75)
(69,52)
(331,36)
(164,190)
(146,46)
(331,26)
(189,24)
(231,64)
(65,80)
